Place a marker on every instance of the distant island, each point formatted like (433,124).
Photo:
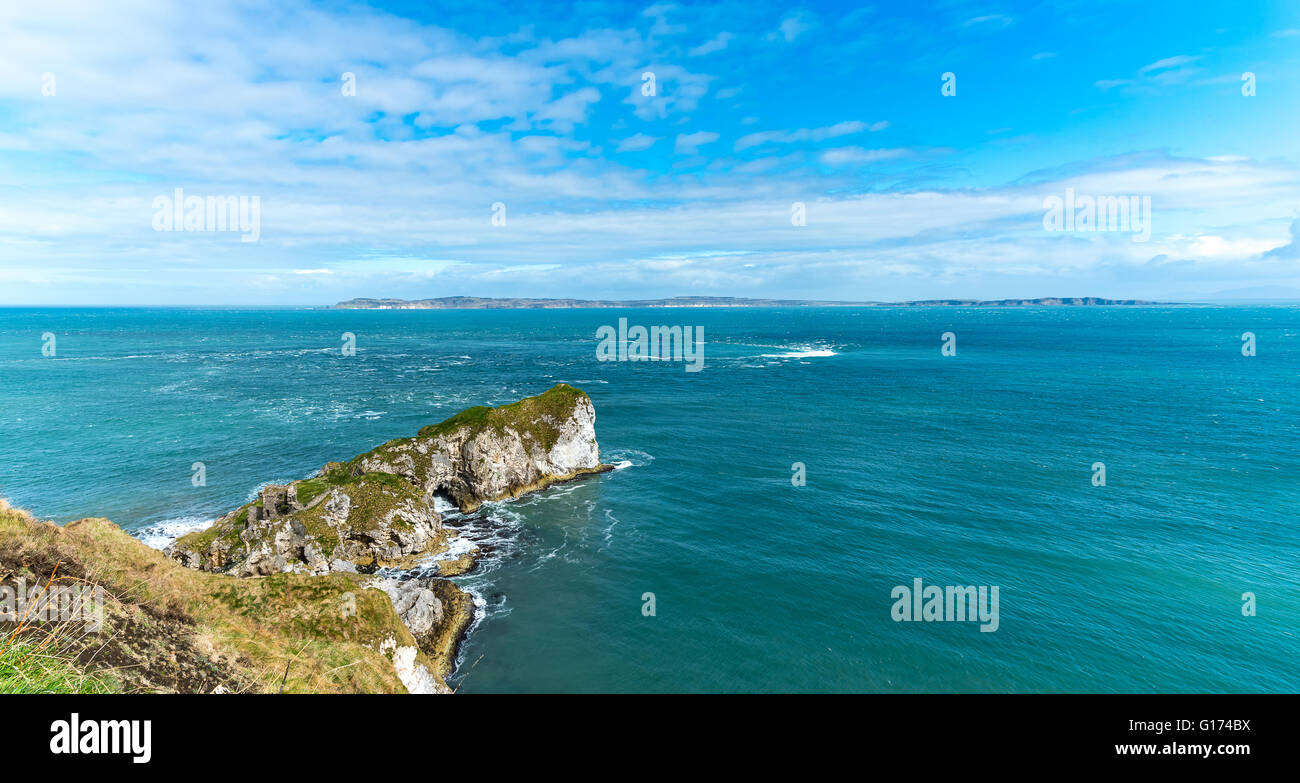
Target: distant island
(487,303)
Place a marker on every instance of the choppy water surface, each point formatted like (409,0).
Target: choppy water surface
(965,470)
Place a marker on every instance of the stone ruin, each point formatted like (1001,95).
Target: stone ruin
(276,502)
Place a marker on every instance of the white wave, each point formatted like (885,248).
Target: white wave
(498,529)
(108,358)
(160,535)
(609,531)
(458,545)
(627,458)
(444,507)
(550,493)
(806,354)
(500,512)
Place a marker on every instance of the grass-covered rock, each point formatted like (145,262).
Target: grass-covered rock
(483,454)
(377,509)
(333,522)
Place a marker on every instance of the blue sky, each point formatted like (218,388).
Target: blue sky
(608,192)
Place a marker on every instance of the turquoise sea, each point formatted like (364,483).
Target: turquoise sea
(974,469)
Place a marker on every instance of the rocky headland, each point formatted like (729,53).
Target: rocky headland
(300,566)
(488,303)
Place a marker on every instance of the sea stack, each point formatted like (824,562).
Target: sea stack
(377,509)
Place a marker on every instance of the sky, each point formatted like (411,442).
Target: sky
(596,149)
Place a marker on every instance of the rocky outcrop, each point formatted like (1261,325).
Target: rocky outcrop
(377,509)
(348,523)
(484,454)
(435,611)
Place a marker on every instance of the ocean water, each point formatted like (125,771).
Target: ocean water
(974,469)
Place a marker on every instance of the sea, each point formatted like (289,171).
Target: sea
(1127,478)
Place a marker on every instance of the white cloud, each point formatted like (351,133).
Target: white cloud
(637,143)
(355,199)
(849,155)
(568,110)
(988,20)
(1168,71)
(1210,246)
(715,44)
(678,91)
(791,27)
(690,143)
(659,13)
(807,134)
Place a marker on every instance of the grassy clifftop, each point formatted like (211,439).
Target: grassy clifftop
(170,628)
(534,418)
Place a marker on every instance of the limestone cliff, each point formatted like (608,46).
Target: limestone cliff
(333,522)
(484,454)
(377,509)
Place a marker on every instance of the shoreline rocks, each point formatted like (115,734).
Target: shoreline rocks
(377,511)
(435,611)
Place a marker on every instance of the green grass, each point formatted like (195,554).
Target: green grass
(372,495)
(202,539)
(478,416)
(310,489)
(166,625)
(534,418)
(31,664)
(525,417)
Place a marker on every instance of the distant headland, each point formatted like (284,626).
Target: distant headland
(487,303)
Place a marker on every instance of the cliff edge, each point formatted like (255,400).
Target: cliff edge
(280,593)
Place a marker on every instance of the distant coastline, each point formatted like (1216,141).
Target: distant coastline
(487,303)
